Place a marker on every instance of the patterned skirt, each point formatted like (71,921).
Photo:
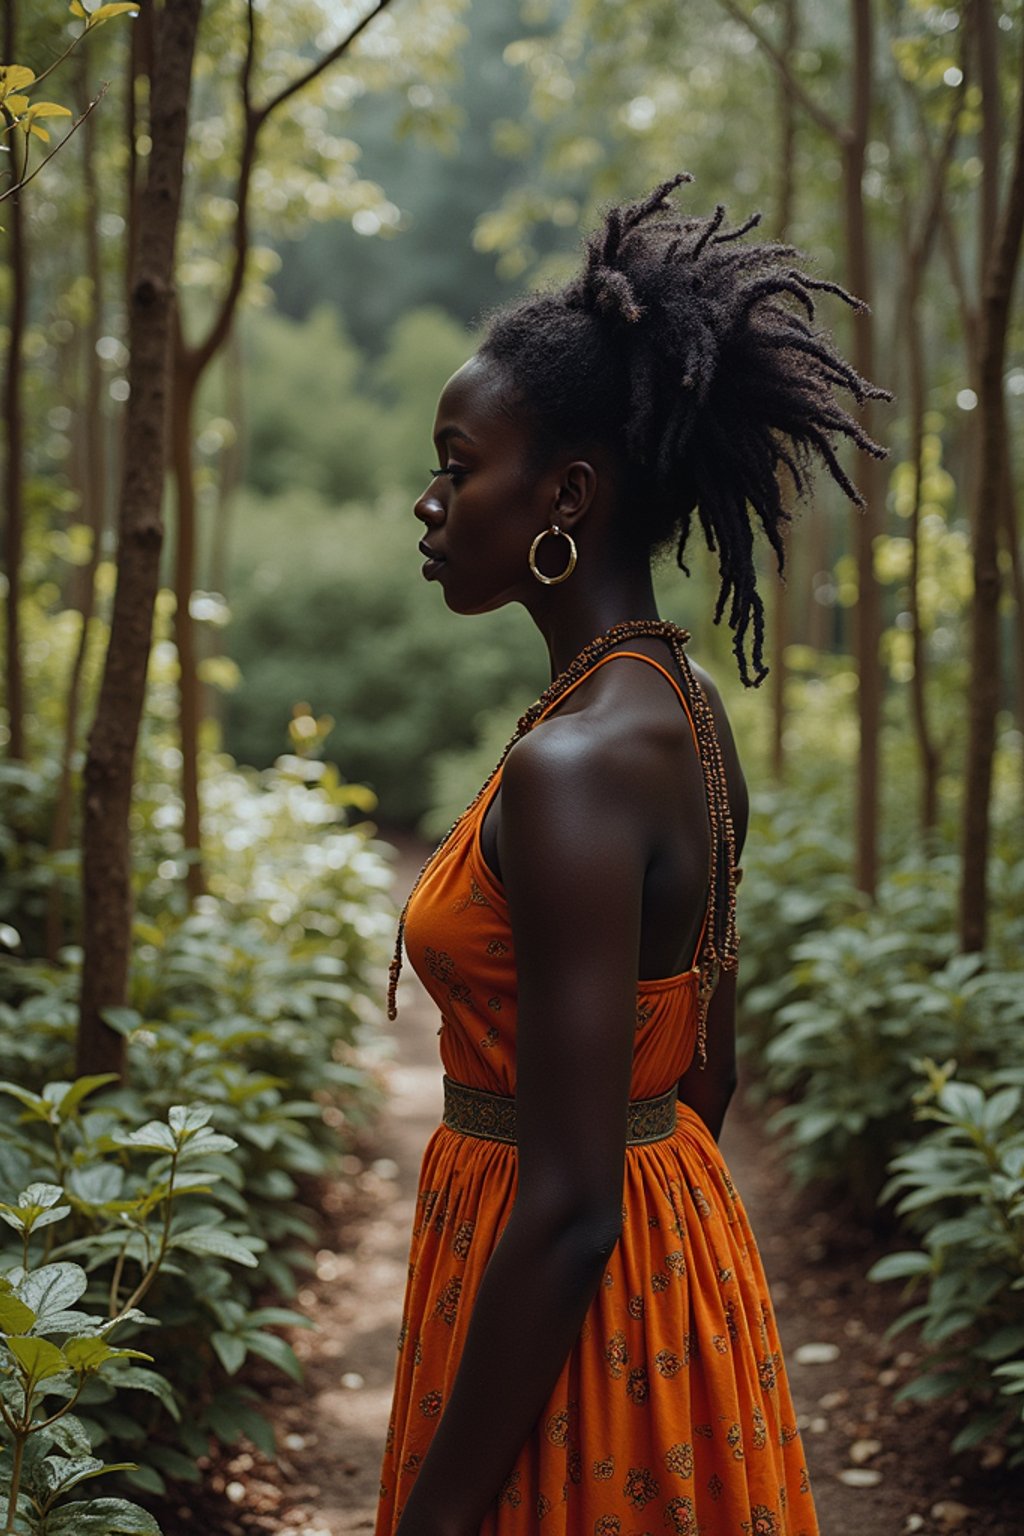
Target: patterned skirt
(672,1412)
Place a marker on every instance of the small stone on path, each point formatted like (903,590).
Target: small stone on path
(863,1450)
(817,1354)
(860,1477)
(950,1514)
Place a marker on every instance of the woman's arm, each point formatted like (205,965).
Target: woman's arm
(572,860)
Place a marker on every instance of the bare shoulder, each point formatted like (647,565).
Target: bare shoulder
(566,766)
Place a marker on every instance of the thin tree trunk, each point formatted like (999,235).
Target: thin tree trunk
(867,522)
(927,751)
(229,472)
(14,418)
(190,363)
(93,487)
(783,590)
(182,415)
(106,851)
(1011,533)
(983,691)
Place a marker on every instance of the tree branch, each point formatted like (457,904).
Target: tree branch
(10,191)
(824,119)
(195,359)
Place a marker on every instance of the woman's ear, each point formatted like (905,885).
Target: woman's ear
(575,493)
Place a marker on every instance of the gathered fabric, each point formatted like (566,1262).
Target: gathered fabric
(672,1412)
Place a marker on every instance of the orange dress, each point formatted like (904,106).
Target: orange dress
(672,1413)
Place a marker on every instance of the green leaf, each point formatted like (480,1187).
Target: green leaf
(154,1136)
(98,1184)
(277,1350)
(41,1196)
(1005,1341)
(15,1316)
(32,1101)
(81,1089)
(215,1242)
(897,1266)
(107,12)
(204,1145)
(38,1359)
(101,1517)
(930,1387)
(89,1354)
(54,1288)
(184,1119)
(230,1350)
(124,1021)
(137,1378)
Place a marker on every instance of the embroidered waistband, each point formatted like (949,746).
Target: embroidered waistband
(492,1116)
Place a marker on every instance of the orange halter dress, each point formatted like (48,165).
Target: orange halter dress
(672,1413)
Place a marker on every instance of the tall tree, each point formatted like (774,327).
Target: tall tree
(106,850)
(1000,252)
(851,138)
(92,491)
(14,414)
(191,361)
(787,109)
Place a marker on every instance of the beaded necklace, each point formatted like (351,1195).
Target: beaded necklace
(718,949)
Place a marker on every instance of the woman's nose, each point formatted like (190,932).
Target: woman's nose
(428,507)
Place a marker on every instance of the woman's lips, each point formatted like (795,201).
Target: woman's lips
(433,562)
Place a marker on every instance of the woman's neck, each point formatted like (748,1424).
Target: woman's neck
(570,616)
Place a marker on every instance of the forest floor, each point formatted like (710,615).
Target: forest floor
(878,1468)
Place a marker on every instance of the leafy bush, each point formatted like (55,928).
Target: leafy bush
(258,1004)
(962,1192)
(131,1229)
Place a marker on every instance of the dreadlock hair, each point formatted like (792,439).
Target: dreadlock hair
(675,345)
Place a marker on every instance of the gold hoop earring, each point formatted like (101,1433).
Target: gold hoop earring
(552,581)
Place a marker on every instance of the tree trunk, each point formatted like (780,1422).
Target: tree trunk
(182,414)
(14,418)
(783,590)
(1011,533)
(927,751)
(106,851)
(983,688)
(93,489)
(229,474)
(867,522)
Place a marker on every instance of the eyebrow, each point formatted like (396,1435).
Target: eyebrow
(447,433)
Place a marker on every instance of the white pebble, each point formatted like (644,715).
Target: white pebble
(353,1381)
(863,1450)
(235,1492)
(860,1477)
(817,1354)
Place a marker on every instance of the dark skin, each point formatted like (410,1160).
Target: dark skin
(599,834)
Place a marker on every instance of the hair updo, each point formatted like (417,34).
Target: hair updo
(674,345)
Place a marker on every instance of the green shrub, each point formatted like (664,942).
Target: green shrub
(258,1004)
(961,1191)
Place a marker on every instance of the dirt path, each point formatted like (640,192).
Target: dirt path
(878,1469)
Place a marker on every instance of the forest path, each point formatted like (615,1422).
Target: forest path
(877,1469)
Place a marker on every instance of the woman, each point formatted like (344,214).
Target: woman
(588,1346)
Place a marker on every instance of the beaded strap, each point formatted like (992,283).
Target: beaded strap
(718,949)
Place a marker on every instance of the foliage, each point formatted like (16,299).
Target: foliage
(138,1225)
(356,633)
(961,1192)
(254,1008)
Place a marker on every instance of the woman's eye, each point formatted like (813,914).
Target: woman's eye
(451,470)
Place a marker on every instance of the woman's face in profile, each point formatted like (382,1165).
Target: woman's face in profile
(483,509)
